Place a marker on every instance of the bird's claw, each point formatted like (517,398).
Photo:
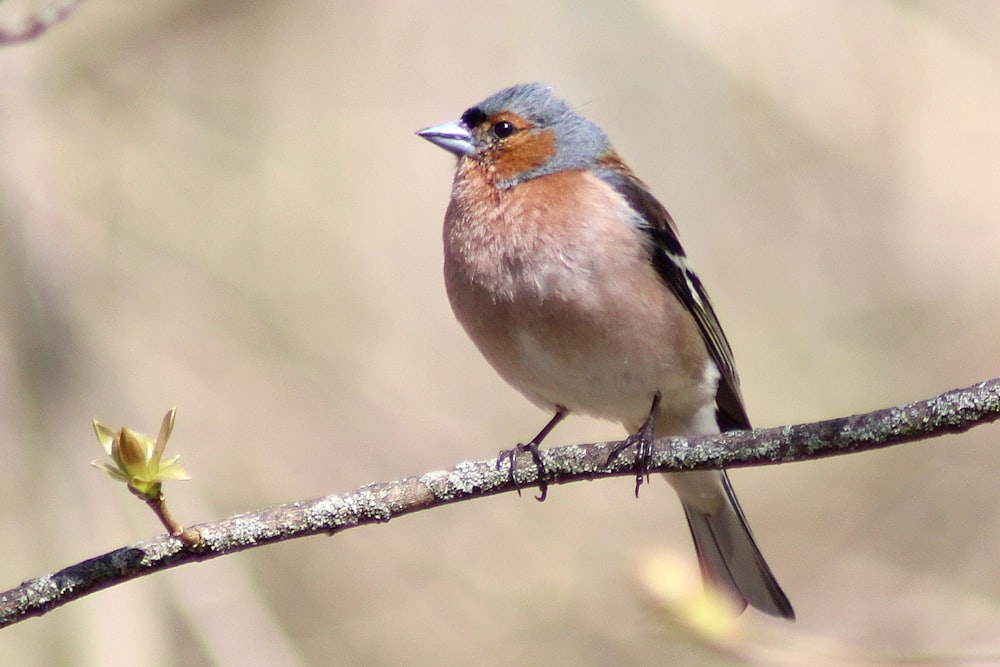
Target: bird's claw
(642,440)
(536,454)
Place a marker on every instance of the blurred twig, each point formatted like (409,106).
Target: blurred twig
(39,22)
(953,412)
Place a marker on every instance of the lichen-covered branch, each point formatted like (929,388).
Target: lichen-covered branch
(952,412)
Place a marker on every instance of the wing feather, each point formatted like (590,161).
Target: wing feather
(670,261)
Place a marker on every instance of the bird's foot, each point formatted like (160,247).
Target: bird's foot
(642,440)
(536,454)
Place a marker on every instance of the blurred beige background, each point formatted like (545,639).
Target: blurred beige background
(222,206)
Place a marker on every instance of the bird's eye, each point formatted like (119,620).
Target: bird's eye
(503,129)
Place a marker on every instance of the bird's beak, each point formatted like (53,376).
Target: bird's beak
(454,137)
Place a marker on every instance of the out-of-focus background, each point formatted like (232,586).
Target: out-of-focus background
(222,206)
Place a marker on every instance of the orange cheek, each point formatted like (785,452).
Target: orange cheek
(524,153)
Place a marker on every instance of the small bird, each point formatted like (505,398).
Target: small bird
(569,277)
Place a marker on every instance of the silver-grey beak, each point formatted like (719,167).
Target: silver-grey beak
(454,137)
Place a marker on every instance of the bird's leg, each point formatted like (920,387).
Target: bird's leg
(642,440)
(511,454)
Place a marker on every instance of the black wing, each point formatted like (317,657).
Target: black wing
(671,263)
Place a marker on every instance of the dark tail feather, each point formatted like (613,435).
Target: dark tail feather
(730,559)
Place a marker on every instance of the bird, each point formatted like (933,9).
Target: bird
(569,277)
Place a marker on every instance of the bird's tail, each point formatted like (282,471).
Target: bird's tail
(729,557)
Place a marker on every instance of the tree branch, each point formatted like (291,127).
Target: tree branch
(37,24)
(953,412)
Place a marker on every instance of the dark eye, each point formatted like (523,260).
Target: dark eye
(503,129)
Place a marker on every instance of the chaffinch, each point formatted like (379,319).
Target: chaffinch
(569,277)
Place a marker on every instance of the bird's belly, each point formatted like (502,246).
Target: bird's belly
(597,354)
(598,378)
